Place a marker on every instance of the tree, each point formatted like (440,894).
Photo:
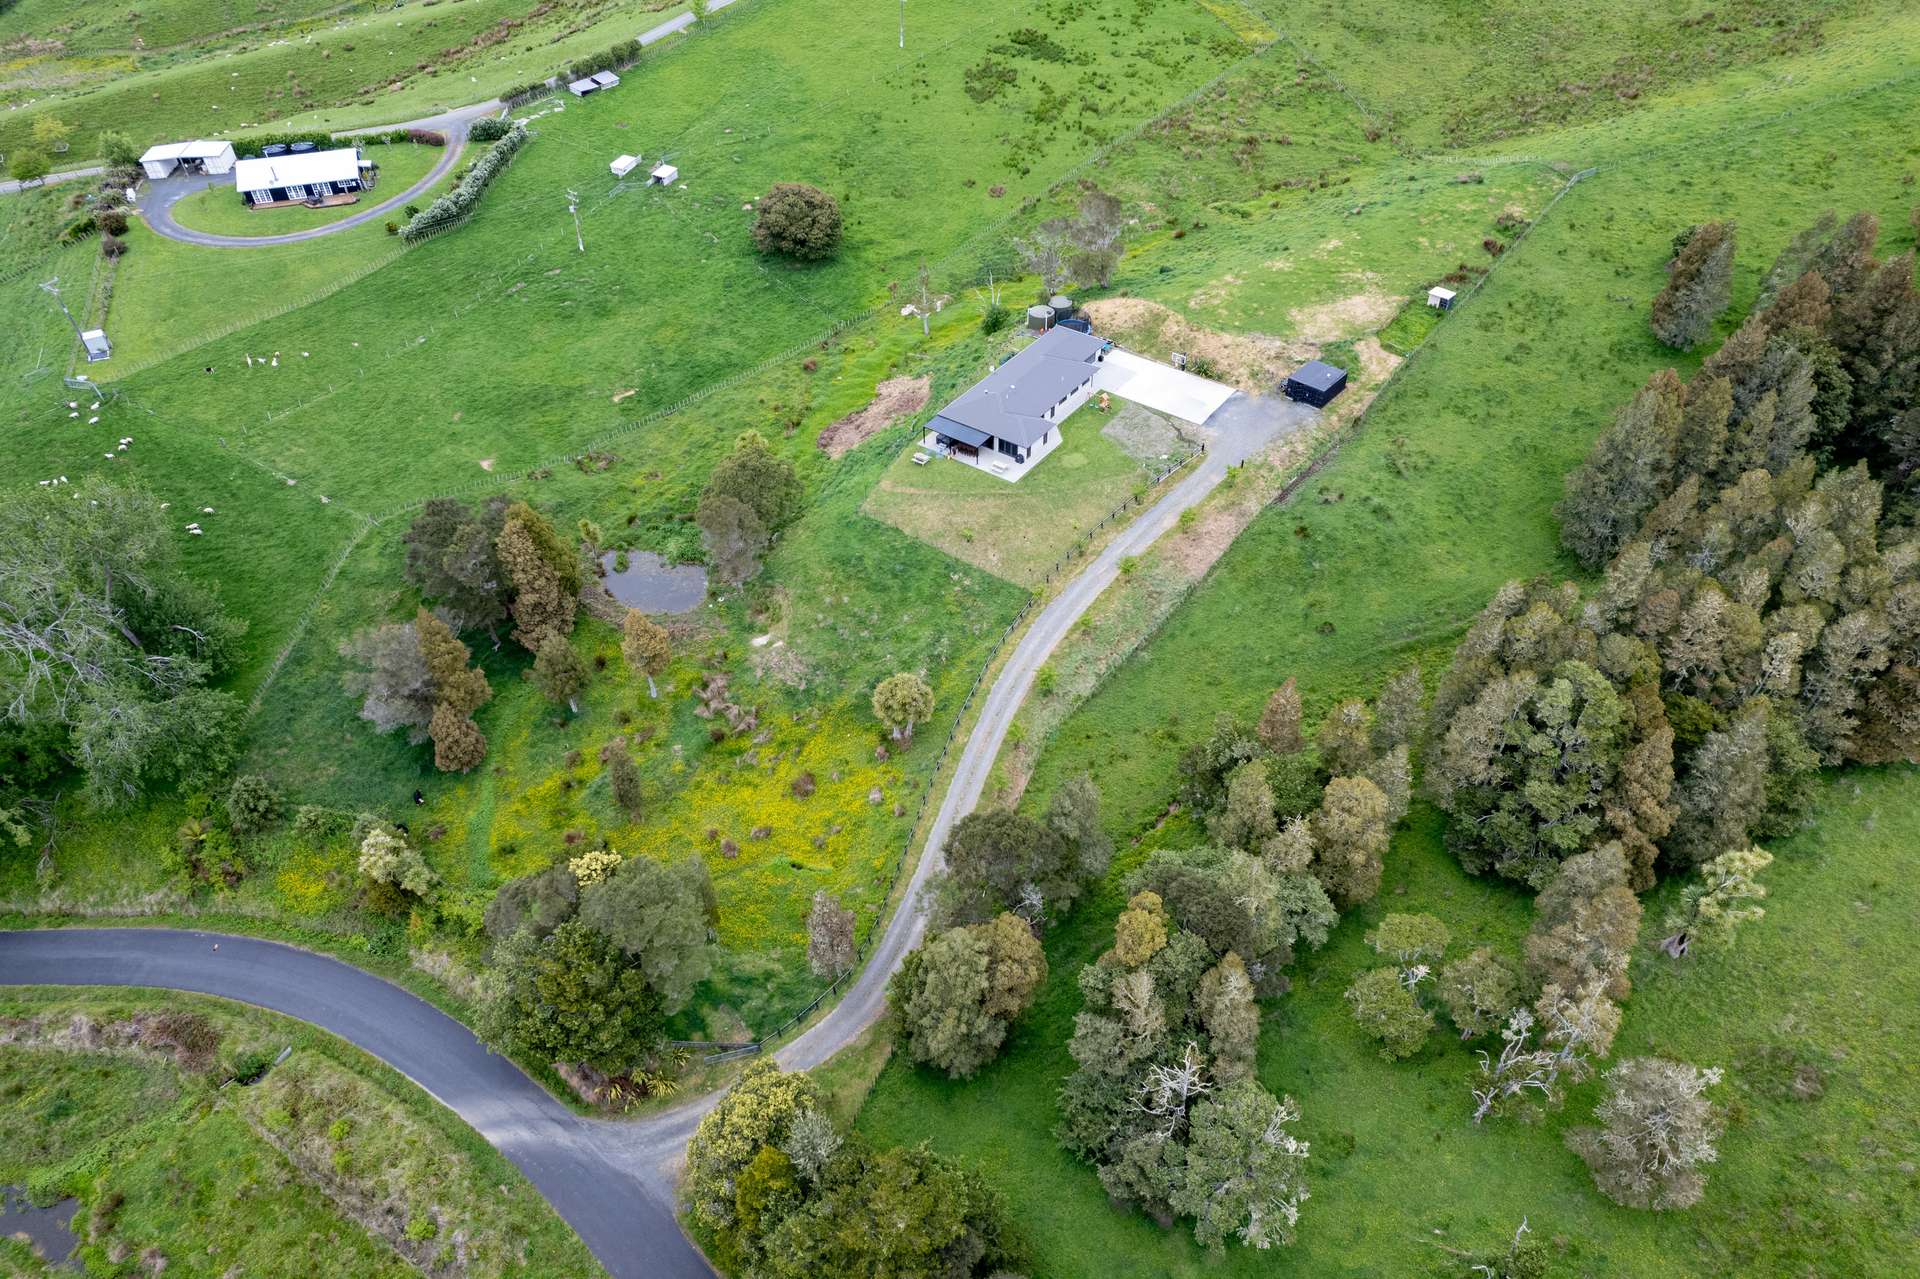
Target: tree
(1344,739)
(570,996)
(759,1110)
(1000,860)
(558,671)
(1585,923)
(658,916)
(939,1220)
(768,483)
(456,685)
(105,642)
(1724,794)
(1244,1174)
(1478,992)
(1399,714)
(956,996)
(623,779)
(811,1144)
(28,166)
(453,560)
(458,744)
(392,679)
(797,221)
(829,936)
(1387,1010)
(1699,286)
(1657,1132)
(1709,910)
(734,537)
(539,903)
(50,133)
(1095,235)
(1280,722)
(1246,821)
(1626,473)
(1350,836)
(1225,1006)
(1074,814)
(901,701)
(386,858)
(1140,932)
(1393,774)
(253,805)
(117,149)
(645,647)
(1410,940)
(544,574)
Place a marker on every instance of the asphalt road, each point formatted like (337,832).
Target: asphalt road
(613,1181)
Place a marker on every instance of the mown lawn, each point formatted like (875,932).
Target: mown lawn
(1017,531)
(177,1166)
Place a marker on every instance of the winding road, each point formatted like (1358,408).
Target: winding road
(612,1180)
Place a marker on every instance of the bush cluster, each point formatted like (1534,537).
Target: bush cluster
(458,203)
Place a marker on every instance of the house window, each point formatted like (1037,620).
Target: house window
(296,193)
(1011,449)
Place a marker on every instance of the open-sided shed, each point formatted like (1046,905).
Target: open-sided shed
(1316,383)
(201,156)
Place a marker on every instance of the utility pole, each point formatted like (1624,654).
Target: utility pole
(53,286)
(573,207)
(903,24)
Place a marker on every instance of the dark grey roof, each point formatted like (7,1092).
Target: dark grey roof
(1319,376)
(958,431)
(1010,402)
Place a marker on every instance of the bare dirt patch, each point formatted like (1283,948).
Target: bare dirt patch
(1330,321)
(892,400)
(1252,362)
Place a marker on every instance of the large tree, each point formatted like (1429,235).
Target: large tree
(734,535)
(1699,286)
(757,1111)
(901,701)
(104,638)
(797,221)
(645,646)
(571,996)
(1000,860)
(1626,473)
(660,916)
(558,671)
(1244,1177)
(1658,1130)
(956,996)
(452,560)
(544,573)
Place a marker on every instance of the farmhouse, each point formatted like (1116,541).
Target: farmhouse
(313,177)
(1009,420)
(1316,383)
(188,157)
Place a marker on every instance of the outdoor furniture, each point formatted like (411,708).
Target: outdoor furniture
(920,459)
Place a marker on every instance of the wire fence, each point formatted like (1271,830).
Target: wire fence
(719,1052)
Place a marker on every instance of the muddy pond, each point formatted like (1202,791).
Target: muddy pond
(652,585)
(49,1230)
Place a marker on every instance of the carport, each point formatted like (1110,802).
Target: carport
(1160,387)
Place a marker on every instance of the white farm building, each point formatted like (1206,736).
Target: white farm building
(191,157)
(302,177)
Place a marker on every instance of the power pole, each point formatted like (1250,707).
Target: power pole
(903,24)
(573,207)
(53,286)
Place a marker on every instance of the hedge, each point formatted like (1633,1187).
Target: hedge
(617,58)
(490,129)
(455,205)
(250,148)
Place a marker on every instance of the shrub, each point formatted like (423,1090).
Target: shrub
(112,246)
(798,221)
(1387,1010)
(79,229)
(315,822)
(393,228)
(1201,366)
(995,318)
(1658,1130)
(252,805)
(113,222)
(454,206)
(427,137)
(386,858)
(490,129)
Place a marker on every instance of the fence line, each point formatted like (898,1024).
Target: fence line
(306,616)
(730,1052)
